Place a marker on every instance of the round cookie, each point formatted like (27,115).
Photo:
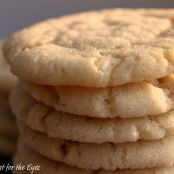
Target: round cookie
(115,47)
(7,79)
(27,156)
(109,156)
(131,100)
(85,129)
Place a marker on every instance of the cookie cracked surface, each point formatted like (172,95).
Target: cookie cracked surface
(114,47)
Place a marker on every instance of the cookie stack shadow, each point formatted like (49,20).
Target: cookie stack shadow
(8,131)
(82,110)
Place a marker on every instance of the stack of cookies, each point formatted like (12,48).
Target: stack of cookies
(95,93)
(8,131)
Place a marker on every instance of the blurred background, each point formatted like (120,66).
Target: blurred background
(16,14)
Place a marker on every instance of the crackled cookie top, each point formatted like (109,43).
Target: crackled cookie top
(95,49)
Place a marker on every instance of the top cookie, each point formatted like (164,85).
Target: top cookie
(94,49)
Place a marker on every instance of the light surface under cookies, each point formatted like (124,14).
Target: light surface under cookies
(109,156)
(85,129)
(27,156)
(132,100)
(115,47)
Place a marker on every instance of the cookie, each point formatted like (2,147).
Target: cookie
(115,47)
(132,100)
(7,79)
(109,156)
(85,129)
(27,156)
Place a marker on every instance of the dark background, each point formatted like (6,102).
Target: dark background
(16,14)
(6,161)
